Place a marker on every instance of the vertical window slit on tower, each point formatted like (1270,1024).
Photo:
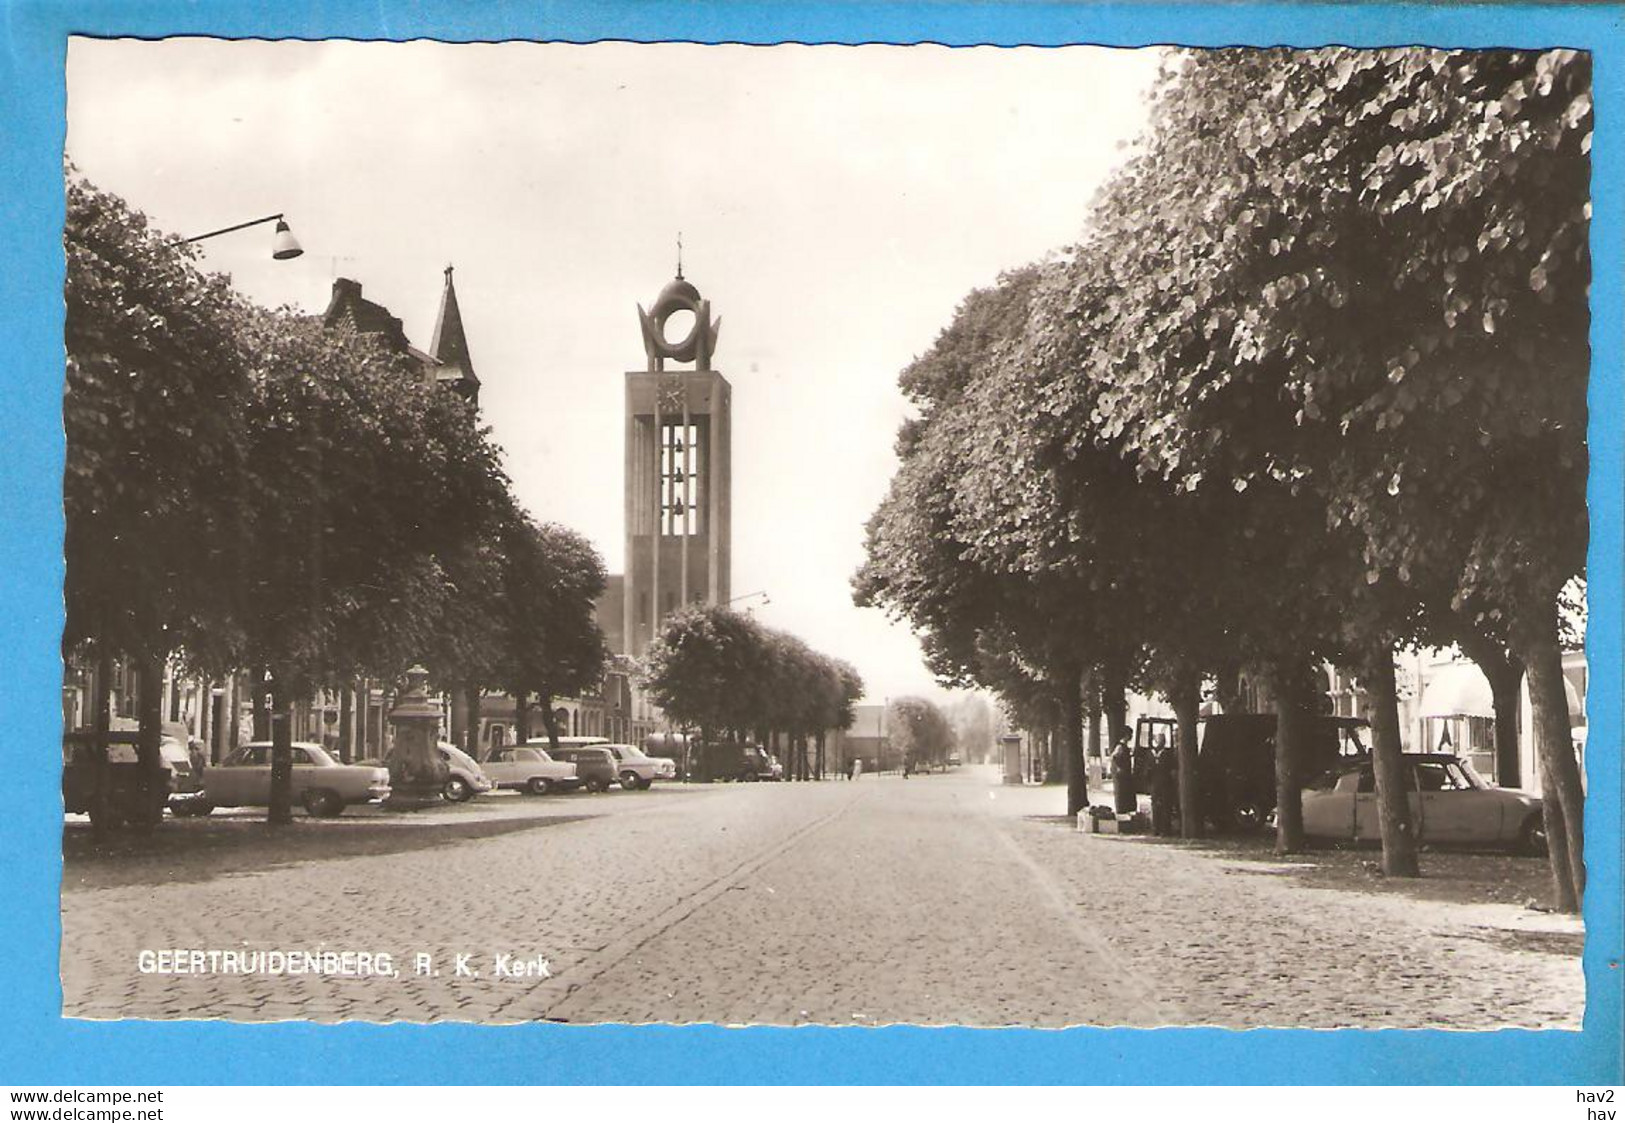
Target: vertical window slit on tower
(679,480)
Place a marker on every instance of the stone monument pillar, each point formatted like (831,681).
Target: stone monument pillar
(416,772)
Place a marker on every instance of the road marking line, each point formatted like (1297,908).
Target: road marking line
(1164,1013)
(618,951)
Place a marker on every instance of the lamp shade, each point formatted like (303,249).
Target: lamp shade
(285,245)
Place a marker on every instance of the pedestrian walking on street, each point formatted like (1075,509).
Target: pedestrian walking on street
(1124,797)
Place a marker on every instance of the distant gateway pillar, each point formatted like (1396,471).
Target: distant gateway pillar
(678,482)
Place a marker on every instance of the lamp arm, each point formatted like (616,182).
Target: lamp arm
(229,229)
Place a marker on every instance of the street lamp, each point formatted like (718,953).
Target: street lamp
(284,246)
(747,596)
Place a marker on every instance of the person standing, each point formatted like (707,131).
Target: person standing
(1124,797)
(1164,789)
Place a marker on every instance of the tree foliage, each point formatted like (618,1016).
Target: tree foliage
(919,731)
(1311,386)
(251,489)
(550,640)
(717,670)
(152,412)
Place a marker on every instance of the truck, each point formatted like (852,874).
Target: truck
(1235,763)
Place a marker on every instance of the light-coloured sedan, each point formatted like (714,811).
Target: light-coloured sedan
(529,769)
(1451,804)
(637,769)
(323,785)
(465,779)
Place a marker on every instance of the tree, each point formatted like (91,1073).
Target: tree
(349,458)
(152,415)
(552,644)
(984,612)
(1437,385)
(700,668)
(716,670)
(919,731)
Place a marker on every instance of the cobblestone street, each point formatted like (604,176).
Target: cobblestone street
(940,899)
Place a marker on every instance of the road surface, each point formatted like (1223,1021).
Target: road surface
(942,899)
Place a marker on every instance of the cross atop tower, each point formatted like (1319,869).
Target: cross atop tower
(679,255)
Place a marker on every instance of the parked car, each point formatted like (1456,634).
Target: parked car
(595,765)
(529,768)
(322,785)
(638,770)
(130,802)
(467,779)
(1451,804)
(728,760)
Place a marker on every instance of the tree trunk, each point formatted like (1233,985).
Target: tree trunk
(152,789)
(1291,728)
(472,703)
(521,717)
(1227,688)
(262,712)
(459,715)
(550,720)
(1070,682)
(1092,695)
(101,792)
(363,718)
(1187,704)
(1505,674)
(1505,690)
(280,809)
(347,722)
(1562,794)
(1394,783)
(1114,700)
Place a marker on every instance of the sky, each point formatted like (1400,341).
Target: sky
(835,205)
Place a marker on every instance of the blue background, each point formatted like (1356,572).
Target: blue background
(38,1047)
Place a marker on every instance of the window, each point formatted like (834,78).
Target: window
(679,480)
(1439,777)
(1325,782)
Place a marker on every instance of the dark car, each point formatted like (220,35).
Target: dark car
(1236,763)
(132,800)
(595,767)
(728,760)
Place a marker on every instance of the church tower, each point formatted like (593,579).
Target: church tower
(449,347)
(678,484)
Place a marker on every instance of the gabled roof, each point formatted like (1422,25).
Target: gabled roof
(449,345)
(347,306)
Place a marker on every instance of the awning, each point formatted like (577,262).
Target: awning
(1457,690)
(1461,690)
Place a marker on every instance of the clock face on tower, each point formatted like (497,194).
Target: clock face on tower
(671,394)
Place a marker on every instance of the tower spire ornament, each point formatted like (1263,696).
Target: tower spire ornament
(699,344)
